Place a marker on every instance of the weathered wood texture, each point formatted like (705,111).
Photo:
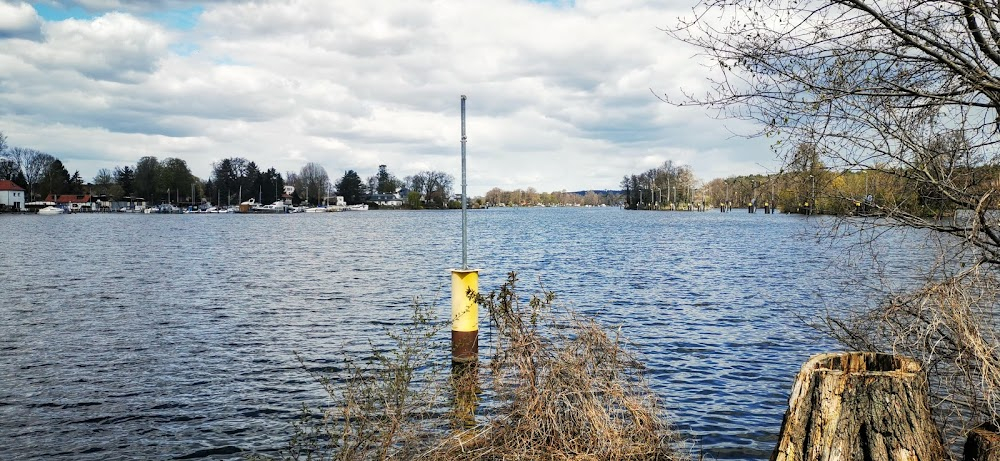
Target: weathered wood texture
(859,406)
(983,444)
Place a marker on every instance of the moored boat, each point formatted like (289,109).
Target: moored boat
(51,210)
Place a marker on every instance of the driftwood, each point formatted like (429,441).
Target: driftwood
(983,444)
(859,406)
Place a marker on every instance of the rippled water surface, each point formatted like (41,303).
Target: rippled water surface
(173,336)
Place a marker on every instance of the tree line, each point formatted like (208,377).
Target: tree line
(658,187)
(40,174)
(232,181)
(531,197)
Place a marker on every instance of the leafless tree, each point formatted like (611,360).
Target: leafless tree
(311,181)
(32,164)
(435,186)
(908,90)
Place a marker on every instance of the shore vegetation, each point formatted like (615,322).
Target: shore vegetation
(555,385)
(900,98)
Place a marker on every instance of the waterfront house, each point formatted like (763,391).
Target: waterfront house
(11,195)
(388,200)
(74,202)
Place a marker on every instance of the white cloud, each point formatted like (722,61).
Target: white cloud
(19,20)
(115,47)
(559,95)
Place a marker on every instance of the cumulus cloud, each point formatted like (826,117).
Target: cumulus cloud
(19,20)
(115,47)
(559,94)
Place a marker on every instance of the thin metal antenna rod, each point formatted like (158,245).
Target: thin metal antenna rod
(465,199)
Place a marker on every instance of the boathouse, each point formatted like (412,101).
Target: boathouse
(11,196)
(75,202)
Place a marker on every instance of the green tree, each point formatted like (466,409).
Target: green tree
(56,179)
(413,200)
(386,182)
(146,173)
(173,176)
(125,177)
(272,184)
(250,180)
(351,188)
(225,178)
(75,184)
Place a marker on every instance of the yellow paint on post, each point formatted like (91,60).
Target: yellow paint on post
(464,312)
(464,315)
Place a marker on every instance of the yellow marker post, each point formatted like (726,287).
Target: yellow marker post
(464,316)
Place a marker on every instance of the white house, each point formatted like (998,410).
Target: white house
(11,195)
(388,200)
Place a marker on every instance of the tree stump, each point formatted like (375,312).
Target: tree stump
(983,444)
(859,406)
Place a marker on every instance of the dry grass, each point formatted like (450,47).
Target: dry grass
(559,386)
(565,388)
(950,326)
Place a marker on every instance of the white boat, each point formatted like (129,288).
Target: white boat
(358,207)
(49,210)
(318,209)
(276,207)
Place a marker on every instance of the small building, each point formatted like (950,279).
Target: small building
(73,202)
(336,202)
(11,196)
(389,200)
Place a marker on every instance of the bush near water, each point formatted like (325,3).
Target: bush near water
(561,387)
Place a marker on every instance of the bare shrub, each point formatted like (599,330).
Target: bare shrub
(565,388)
(561,387)
(384,407)
(948,324)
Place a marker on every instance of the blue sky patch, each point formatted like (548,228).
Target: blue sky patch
(177,19)
(182,19)
(56,13)
(184,49)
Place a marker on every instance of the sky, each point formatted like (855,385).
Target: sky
(561,95)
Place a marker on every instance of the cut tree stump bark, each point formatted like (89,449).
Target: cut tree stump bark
(983,444)
(859,406)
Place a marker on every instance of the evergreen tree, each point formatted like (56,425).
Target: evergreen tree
(125,177)
(351,188)
(56,179)
(386,182)
(75,184)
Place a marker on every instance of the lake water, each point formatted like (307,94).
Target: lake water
(128,336)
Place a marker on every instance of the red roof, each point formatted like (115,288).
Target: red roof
(68,198)
(6,184)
